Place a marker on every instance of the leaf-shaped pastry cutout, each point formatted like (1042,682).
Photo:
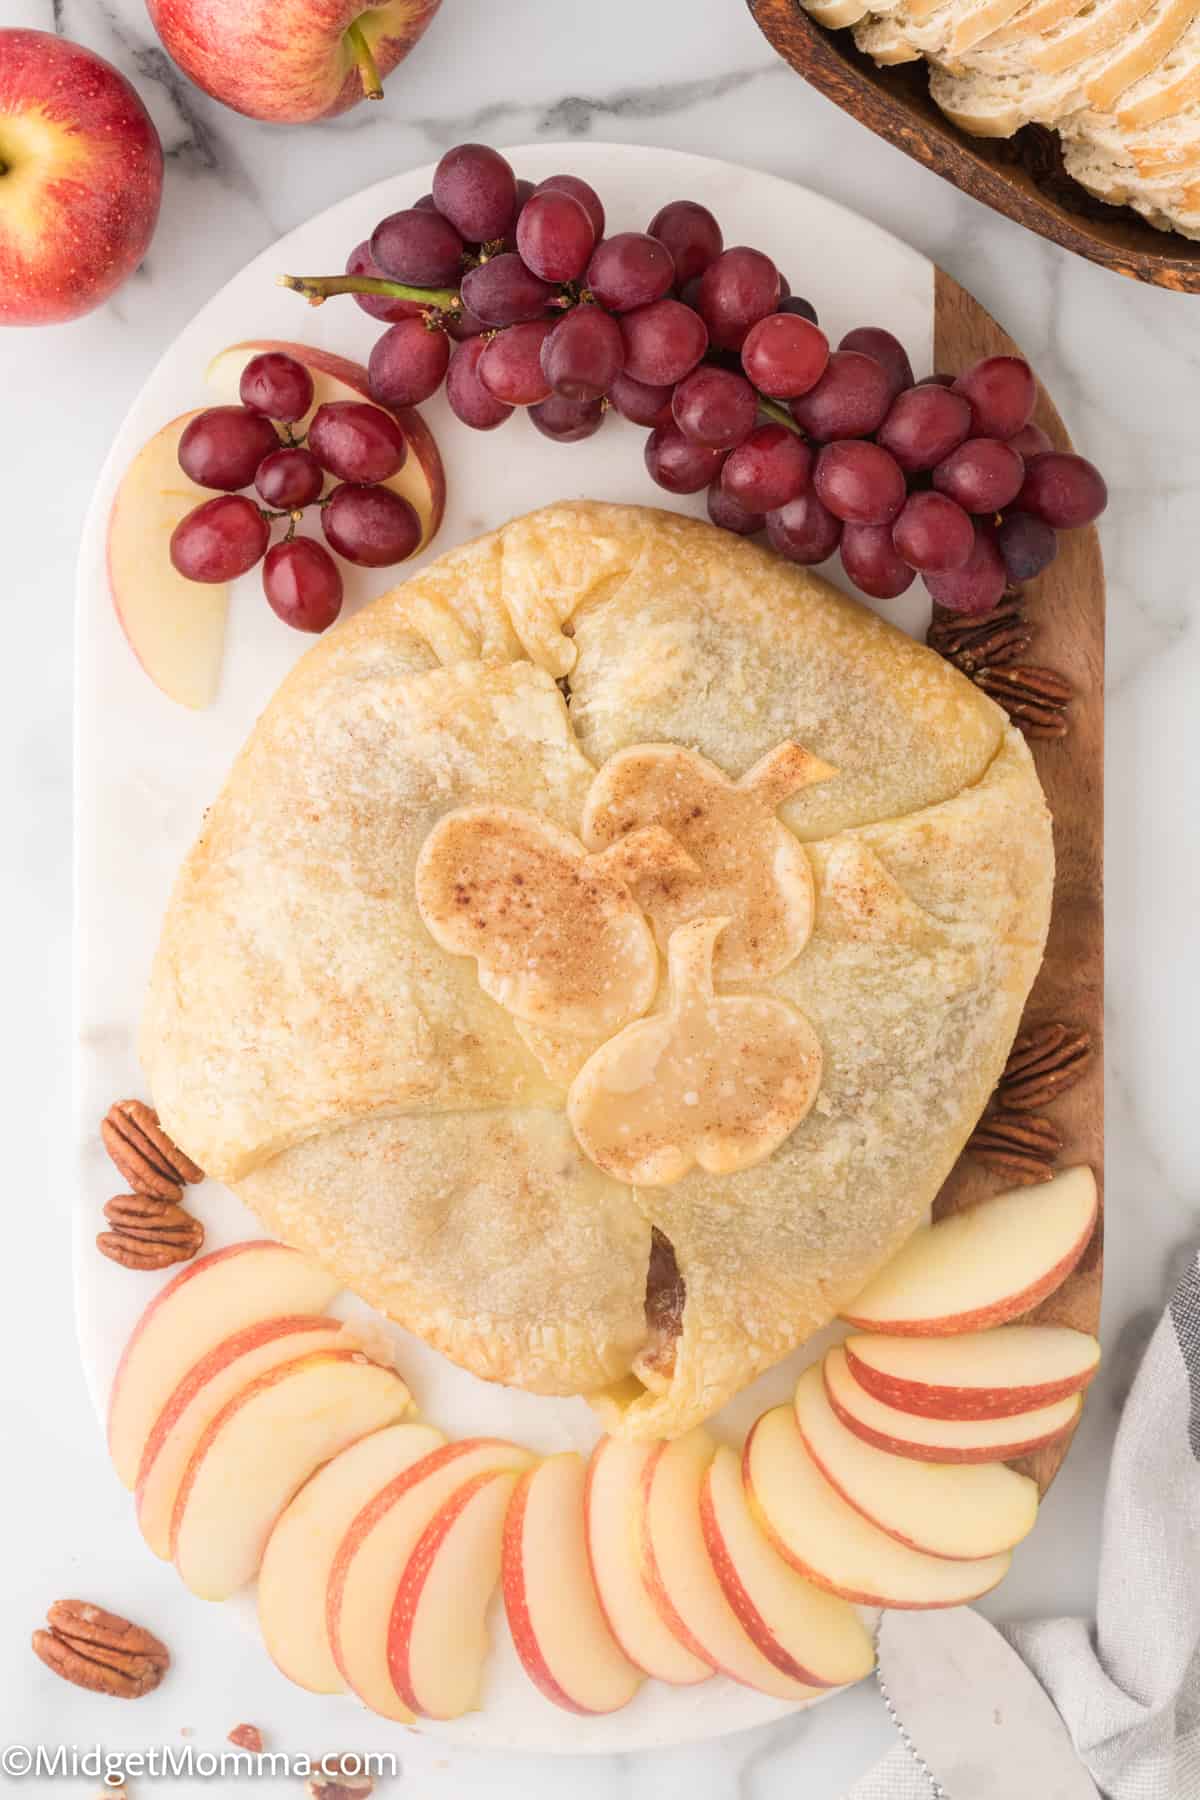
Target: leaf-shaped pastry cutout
(555,932)
(716,1079)
(752,869)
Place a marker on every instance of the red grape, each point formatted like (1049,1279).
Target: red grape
(370,525)
(277,385)
(462,324)
(289,478)
(628,270)
(468,399)
(566,420)
(1002,394)
(220,539)
(1065,490)
(419,248)
(804,531)
(502,291)
(803,309)
(923,425)
(785,356)
(357,442)
(767,469)
(938,380)
(475,188)
(583,353)
(1028,545)
(555,235)
(933,533)
(690,233)
(426,203)
(223,446)
(408,363)
(303,584)
(736,291)
(677,464)
(579,190)
(887,350)
(725,510)
(663,342)
(715,408)
(1030,441)
(870,560)
(511,364)
(639,401)
(978,586)
(859,482)
(380,306)
(850,400)
(983,475)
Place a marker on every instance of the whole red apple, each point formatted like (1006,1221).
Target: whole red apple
(80,179)
(289,61)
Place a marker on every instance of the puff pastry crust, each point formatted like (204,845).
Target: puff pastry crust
(310,1042)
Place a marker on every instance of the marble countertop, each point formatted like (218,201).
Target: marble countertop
(1124,365)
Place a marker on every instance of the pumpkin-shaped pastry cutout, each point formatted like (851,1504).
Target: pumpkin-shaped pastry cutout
(752,869)
(557,936)
(717,1079)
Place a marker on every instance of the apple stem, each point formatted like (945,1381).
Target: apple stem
(316,289)
(372,87)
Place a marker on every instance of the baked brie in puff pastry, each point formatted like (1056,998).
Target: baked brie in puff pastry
(600,952)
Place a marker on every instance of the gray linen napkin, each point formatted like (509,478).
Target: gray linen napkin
(1129,1687)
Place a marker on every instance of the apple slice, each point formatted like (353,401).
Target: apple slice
(980,1375)
(985,1265)
(294,1576)
(556,1620)
(817,1532)
(208,1386)
(261,1448)
(422,480)
(371,1559)
(176,628)
(955,1510)
(205,1303)
(942,1440)
(612,1502)
(437,1635)
(680,1576)
(809,1634)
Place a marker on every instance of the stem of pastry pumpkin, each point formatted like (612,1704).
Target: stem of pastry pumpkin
(316,289)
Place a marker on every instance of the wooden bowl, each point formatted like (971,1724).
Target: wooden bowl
(1021,176)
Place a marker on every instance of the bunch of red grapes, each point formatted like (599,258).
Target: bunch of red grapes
(231,448)
(514,297)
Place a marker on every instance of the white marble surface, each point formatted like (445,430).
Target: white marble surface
(1124,365)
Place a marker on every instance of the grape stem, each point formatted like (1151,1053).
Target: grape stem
(779,413)
(368,74)
(316,289)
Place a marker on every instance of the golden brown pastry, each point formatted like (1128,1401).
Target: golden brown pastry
(436,895)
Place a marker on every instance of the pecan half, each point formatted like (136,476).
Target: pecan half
(988,641)
(143,1153)
(149,1233)
(1035,699)
(1020,1146)
(101,1651)
(333,1781)
(1043,1063)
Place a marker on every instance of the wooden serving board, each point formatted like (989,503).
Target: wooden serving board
(1020,176)
(1067,605)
